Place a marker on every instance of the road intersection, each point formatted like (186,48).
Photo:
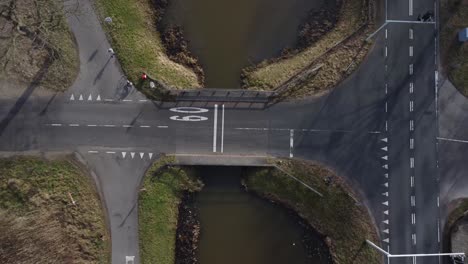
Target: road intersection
(379,128)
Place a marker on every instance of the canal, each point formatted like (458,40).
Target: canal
(239,227)
(227,35)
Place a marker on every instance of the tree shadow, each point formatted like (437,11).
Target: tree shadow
(25,96)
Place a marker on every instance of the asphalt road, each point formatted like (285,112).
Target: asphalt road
(379,128)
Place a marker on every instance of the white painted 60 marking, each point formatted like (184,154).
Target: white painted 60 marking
(189,110)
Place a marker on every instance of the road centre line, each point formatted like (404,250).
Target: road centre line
(412,181)
(411,87)
(410,11)
(411,69)
(412,162)
(410,33)
(215,126)
(411,51)
(413,218)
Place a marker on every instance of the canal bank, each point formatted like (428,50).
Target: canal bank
(232,219)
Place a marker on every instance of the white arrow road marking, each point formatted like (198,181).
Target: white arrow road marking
(124,154)
(81,97)
(150,155)
(141,155)
(132,154)
(98,98)
(72,98)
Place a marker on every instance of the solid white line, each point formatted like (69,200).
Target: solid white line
(56,125)
(215,126)
(410,7)
(222,131)
(453,140)
(110,152)
(411,51)
(145,126)
(93,151)
(410,22)
(162,126)
(73,125)
(291,143)
(92,125)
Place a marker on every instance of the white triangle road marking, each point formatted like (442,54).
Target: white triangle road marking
(150,155)
(72,98)
(386,231)
(386,240)
(385,194)
(98,98)
(132,154)
(385,221)
(386,212)
(124,154)
(141,155)
(386,184)
(385,203)
(90,98)
(384,148)
(385,157)
(81,97)
(386,175)
(384,139)
(385,166)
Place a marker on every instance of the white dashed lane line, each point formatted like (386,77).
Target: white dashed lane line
(105,126)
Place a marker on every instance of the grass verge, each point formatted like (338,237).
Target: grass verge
(335,215)
(454,17)
(36,44)
(159,199)
(38,221)
(138,45)
(272,74)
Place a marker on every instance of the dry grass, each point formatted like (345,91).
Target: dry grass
(39,223)
(34,35)
(334,215)
(268,76)
(138,45)
(454,14)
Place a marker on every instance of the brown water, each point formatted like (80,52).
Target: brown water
(238,227)
(227,35)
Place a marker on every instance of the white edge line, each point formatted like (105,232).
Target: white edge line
(215,124)
(222,131)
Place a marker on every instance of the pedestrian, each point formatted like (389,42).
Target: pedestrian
(129,83)
(111,51)
(144,76)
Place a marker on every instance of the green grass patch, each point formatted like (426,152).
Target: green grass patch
(269,75)
(454,14)
(335,215)
(138,45)
(159,199)
(38,221)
